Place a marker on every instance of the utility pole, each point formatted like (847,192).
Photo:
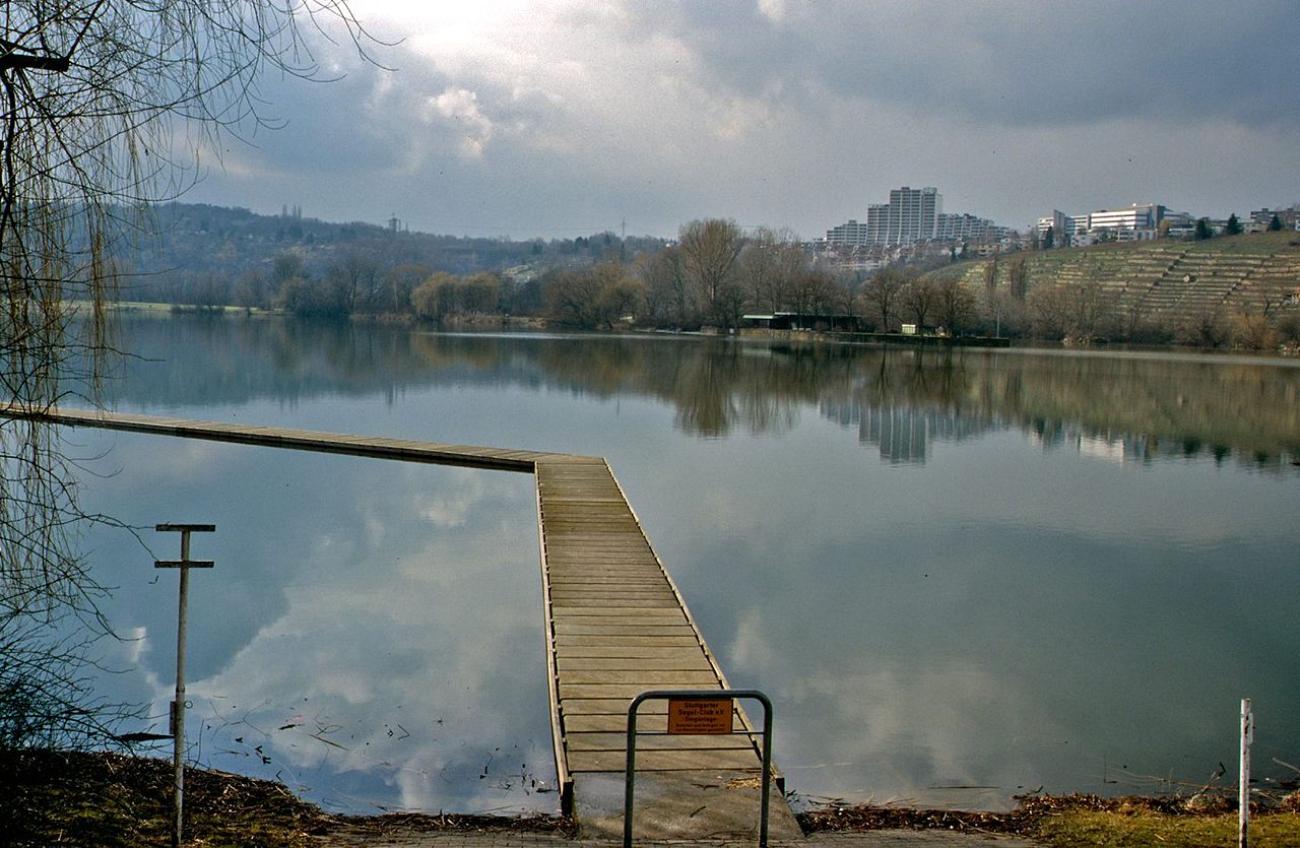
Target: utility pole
(184,564)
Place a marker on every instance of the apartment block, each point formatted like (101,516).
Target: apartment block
(912,215)
(877,223)
(964,227)
(850,234)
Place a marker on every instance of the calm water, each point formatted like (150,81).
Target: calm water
(959,576)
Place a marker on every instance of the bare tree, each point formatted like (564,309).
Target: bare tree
(812,292)
(592,297)
(1061,310)
(572,296)
(759,270)
(770,266)
(356,279)
(920,299)
(1050,309)
(103,106)
(710,249)
(399,282)
(436,297)
(844,287)
(883,292)
(667,296)
(956,305)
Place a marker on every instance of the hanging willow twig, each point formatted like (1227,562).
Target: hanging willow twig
(104,107)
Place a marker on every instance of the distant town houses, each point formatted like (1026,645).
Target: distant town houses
(1261,220)
(910,225)
(1145,221)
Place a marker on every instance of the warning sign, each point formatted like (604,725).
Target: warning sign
(699,717)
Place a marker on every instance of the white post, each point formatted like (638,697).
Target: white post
(178,703)
(1243,779)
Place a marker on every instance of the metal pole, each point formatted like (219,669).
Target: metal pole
(178,704)
(1243,775)
(629,776)
(184,564)
(767,768)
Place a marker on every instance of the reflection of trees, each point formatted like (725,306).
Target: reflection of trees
(907,398)
(1154,406)
(704,401)
(1160,406)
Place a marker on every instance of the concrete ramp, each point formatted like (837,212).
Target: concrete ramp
(685,805)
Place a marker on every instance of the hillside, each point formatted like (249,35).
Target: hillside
(188,242)
(1157,284)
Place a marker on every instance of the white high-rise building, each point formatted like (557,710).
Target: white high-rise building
(913,214)
(878,223)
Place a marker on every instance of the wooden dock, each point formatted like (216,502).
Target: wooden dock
(616,626)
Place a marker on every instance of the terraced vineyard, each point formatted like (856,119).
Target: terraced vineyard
(1169,281)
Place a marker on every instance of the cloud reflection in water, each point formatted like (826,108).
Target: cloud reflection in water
(371,634)
(996,602)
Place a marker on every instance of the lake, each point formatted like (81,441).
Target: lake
(959,575)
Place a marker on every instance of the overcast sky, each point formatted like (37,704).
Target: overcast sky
(563,118)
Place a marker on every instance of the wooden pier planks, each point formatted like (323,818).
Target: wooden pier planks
(616,624)
(405,450)
(616,627)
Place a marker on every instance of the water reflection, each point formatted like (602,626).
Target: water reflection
(1146,408)
(360,634)
(1005,620)
(1055,570)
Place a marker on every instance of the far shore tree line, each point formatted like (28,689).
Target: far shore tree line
(711,276)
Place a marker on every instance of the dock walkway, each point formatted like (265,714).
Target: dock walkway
(616,626)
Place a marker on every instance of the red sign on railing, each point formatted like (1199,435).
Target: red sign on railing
(698,718)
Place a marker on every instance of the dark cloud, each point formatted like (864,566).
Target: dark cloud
(364,118)
(1016,63)
(570,120)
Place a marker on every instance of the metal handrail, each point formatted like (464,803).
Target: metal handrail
(697,695)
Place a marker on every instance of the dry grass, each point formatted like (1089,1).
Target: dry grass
(80,799)
(1080,820)
(1078,828)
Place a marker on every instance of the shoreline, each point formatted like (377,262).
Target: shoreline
(513,325)
(103,798)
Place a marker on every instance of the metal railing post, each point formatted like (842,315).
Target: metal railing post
(629,780)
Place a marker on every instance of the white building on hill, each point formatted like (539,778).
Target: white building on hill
(1137,222)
